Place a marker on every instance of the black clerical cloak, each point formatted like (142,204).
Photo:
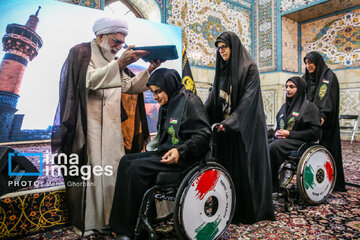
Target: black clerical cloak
(326,96)
(71,119)
(243,149)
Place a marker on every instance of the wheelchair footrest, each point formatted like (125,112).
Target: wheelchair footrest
(146,226)
(288,202)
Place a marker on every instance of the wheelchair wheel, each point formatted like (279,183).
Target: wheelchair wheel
(205,203)
(316,174)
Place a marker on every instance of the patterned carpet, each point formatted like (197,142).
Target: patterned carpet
(351,161)
(32,213)
(337,218)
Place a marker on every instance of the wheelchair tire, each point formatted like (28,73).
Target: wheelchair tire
(205,203)
(316,174)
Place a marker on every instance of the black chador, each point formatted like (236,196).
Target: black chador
(182,124)
(242,149)
(323,91)
(302,119)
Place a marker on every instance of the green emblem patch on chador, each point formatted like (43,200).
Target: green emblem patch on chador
(322,91)
(171,132)
(282,123)
(290,124)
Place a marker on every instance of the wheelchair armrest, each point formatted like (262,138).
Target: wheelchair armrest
(294,154)
(164,178)
(303,147)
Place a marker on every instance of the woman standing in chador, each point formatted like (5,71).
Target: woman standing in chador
(323,91)
(241,143)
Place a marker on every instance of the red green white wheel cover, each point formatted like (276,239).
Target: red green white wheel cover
(210,185)
(316,174)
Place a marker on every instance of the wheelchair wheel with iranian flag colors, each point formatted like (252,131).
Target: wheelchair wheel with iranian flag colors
(205,203)
(316,174)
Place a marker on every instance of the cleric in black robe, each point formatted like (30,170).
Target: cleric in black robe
(323,91)
(183,130)
(298,122)
(241,145)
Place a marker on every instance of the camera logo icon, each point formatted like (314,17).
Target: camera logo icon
(19,172)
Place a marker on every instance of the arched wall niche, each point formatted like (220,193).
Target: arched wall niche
(147,9)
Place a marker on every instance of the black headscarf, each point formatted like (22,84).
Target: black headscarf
(294,103)
(224,74)
(230,74)
(224,65)
(168,80)
(313,79)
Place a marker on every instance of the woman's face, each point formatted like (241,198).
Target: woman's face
(224,50)
(291,89)
(310,65)
(159,95)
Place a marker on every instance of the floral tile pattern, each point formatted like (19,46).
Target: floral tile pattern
(337,38)
(268,97)
(287,6)
(350,102)
(98,4)
(265,25)
(149,9)
(290,52)
(202,21)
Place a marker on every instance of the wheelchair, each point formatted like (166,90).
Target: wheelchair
(315,172)
(204,201)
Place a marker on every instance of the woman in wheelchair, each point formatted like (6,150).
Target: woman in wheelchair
(298,122)
(183,138)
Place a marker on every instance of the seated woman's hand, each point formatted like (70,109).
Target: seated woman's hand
(282,133)
(171,157)
(220,128)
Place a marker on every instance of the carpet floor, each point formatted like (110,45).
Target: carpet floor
(337,218)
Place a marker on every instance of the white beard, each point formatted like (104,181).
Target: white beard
(106,50)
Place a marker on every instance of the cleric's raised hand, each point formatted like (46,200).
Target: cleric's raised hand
(153,65)
(130,56)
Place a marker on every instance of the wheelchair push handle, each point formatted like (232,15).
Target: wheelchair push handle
(214,126)
(213,142)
